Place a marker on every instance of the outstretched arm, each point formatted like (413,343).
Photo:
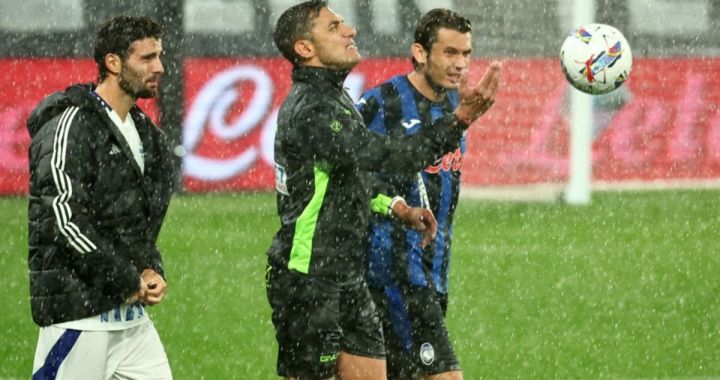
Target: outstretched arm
(475,101)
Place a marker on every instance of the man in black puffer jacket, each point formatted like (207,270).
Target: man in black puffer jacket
(101,178)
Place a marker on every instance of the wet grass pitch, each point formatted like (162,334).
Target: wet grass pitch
(627,287)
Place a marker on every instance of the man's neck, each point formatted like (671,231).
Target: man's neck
(421,83)
(115,97)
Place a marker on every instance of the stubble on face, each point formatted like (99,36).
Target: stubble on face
(132,83)
(334,41)
(141,70)
(436,87)
(447,60)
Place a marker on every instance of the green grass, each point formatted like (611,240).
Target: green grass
(628,287)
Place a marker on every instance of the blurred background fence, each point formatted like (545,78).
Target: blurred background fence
(225,81)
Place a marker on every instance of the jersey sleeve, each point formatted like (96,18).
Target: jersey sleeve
(340,138)
(67,194)
(370,108)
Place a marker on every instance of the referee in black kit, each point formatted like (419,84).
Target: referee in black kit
(325,321)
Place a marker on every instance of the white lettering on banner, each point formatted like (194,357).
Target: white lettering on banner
(211,105)
(267,139)
(14,138)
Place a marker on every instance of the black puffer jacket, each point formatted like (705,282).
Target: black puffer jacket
(94,217)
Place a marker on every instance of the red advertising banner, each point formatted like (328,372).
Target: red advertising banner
(663,124)
(230,110)
(23,83)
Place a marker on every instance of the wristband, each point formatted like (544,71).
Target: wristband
(392,203)
(463,124)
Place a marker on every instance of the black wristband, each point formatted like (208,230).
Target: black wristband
(459,123)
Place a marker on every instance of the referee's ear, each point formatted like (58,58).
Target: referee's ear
(305,49)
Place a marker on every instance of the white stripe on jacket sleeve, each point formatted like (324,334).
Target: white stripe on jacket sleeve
(60,204)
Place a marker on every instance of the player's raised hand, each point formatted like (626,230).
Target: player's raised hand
(156,287)
(475,101)
(417,218)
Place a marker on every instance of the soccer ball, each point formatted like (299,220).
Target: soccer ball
(596,58)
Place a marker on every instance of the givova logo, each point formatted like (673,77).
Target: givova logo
(328,358)
(427,353)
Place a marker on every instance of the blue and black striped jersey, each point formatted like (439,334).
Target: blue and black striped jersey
(395,108)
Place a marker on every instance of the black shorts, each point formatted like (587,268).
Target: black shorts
(416,338)
(315,319)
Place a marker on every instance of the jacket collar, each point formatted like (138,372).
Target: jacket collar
(94,101)
(320,76)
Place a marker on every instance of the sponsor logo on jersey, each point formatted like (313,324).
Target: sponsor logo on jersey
(411,123)
(451,161)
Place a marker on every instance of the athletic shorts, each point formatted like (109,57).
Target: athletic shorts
(416,337)
(134,353)
(316,318)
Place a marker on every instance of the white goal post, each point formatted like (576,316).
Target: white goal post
(577,191)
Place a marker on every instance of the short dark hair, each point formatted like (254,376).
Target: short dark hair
(295,24)
(116,35)
(427,30)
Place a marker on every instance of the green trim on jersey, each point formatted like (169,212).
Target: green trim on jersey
(305,224)
(381,204)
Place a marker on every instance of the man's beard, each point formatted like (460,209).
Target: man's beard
(337,63)
(436,87)
(131,82)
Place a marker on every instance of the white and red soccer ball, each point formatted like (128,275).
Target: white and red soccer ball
(596,58)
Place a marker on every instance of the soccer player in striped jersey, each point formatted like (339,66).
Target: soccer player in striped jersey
(409,284)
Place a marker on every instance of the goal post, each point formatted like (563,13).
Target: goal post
(577,191)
